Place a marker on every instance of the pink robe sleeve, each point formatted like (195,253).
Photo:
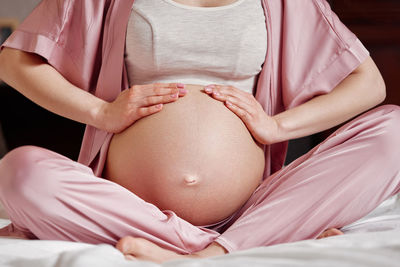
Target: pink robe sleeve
(318,51)
(311,52)
(66,33)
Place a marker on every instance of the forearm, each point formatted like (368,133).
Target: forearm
(40,82)
(361,90)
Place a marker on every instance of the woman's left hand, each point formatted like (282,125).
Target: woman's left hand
(263,128)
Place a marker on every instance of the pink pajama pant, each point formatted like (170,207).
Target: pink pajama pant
(341,180)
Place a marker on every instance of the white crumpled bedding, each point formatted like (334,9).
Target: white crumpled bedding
(372,241)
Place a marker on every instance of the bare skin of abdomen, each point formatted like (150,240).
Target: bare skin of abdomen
(195,157)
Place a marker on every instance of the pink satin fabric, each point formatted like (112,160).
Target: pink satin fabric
(341,180)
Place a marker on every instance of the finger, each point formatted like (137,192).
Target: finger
(211,88)
(225,89)
(162,85)
(169,88)
(249,108)
(237,100)
(137,92)
(146,111)
(241,113)
(161,91)
(222,93)
(214,91)
(154,100)
(159,87)
(182,92)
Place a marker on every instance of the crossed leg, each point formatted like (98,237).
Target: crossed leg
(50,197)
(336,183)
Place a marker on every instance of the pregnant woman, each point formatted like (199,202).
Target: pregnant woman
(189,105)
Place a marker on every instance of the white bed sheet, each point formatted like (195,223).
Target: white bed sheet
(372,241)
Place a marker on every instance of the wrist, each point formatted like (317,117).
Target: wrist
(98,114)
(280,130)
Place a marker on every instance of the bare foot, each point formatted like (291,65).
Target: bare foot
(142,249)
(330,232)
(11,232)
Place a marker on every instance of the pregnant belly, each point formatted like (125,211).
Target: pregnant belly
(195,158)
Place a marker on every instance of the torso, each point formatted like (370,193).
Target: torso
(195,157)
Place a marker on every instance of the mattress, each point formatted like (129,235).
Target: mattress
(374,240)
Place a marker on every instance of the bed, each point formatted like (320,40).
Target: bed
(371,241)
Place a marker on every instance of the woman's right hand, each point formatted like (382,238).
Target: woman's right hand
(33,77)
(137,102)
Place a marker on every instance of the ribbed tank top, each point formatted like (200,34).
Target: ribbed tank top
(171,42)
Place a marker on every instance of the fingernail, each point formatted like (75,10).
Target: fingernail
(216,93)
(228,103)
(209,88)
(180,85)
(174,95)
(183,91)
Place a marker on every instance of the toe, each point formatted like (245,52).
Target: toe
(336,232)
(124,244)
(330,232)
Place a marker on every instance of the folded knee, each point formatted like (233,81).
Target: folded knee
(387,137)
(21,171)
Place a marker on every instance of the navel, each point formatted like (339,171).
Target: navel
(191,180)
